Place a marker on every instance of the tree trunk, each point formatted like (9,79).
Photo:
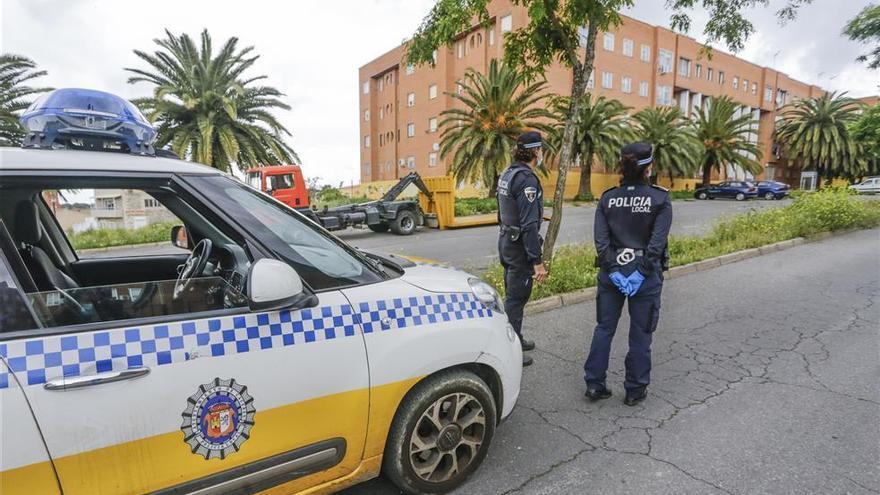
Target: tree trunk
(707,174)
(580,74)
(585,189)
(493,187)
(671,181)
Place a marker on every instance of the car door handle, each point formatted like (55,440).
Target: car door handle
(75,382)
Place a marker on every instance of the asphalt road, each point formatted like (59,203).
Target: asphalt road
(766,380)
(475,248)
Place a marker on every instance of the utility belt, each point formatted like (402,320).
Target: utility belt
(512,232)
(625,256)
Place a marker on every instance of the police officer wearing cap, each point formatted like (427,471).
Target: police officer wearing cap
(631,232)
(520,211)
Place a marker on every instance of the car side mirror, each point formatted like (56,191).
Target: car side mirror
(273,284)
(180,237)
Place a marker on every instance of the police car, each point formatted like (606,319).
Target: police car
(266,356)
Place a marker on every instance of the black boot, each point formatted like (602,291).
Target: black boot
(527,345)
(635,396)
(597,393)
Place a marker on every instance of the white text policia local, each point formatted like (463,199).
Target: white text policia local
(639,204)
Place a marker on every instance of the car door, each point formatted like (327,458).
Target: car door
(25,465)
(173,403)
(717,190)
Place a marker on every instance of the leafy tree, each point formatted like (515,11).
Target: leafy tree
(15,96)
(675,146)
(495,109)
(207,109)
(865,28)
(556,32)
(726,138)
(601,129)
(815,132)
(866,132)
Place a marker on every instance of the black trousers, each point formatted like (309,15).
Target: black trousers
(644,313)
(517,280)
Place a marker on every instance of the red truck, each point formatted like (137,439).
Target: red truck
(286,184)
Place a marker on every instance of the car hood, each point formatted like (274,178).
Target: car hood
(437,278)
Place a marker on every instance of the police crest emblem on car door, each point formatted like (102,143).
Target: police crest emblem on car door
(218,418)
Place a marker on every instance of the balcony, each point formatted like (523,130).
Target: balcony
(107,212)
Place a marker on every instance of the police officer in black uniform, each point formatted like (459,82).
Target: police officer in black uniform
(520,211)
(631,231)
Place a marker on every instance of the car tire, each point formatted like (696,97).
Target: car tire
(405,223)
(770,196)
(430,418)
(702,195)
(740,197)
(379,227)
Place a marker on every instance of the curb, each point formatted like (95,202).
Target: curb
(588,294)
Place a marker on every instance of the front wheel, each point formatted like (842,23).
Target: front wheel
(769,196)
(702,195)
(740,197)
(440,434)
(405,223)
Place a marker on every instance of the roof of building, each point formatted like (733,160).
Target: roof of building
(70,160)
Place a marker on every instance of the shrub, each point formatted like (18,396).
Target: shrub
(474,206)
(100,238)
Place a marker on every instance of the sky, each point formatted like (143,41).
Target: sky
(311,51)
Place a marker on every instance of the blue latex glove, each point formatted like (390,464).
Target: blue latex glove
(634,283)
(620,281)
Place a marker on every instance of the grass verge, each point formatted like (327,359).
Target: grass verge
(825,211)
(101,238)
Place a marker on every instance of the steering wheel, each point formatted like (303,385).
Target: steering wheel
(193,267)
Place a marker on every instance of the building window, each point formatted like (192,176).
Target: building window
(410,100)
(735,82)
(381,113)
(591,82)
(432,159)
(434,56)
(684,67)
(583,34)
(432,124)
(628,47)
(709,74)
(768,93)
(460,49)
(720,77)
(381,85)
(410,68)
(754,88)
(664,95)
(492,36)
(432,91)
(366,141)
(459,89)
(410,130)
(366,115)
(411,162)
(698,70)
(607,80)
(506,23)
(381,140)
(745,85)
(366,87)
(646,53)
(626,84)
(781,97)
(608,42)
(367,170)
(152,203)
(643,89)
(664,62)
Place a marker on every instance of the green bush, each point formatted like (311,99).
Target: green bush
(101,238)
(474,206)
(681,195)
(825,211)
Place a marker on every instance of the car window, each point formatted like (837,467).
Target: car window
(14,313)
(284,181)
(105,223)
(321,260)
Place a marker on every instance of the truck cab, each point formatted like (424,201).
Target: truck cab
(283,182)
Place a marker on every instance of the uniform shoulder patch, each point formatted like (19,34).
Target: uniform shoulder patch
(655,186)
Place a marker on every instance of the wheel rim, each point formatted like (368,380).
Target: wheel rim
(702,195)
(769,196)
(447,437)
(406,223)
(740,196)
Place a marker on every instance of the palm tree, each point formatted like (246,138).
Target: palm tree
(206,109)
(601,129)
(496,108)
(727,137)
(15,70)
(816,132)
(675,146)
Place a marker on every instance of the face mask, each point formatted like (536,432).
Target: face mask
(540,161)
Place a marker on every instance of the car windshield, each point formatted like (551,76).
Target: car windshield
(321,260)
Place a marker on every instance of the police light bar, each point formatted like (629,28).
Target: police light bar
(87,119)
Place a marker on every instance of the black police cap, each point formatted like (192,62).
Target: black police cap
(529,140)
(642,152)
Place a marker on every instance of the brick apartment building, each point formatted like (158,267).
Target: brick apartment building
(637,63)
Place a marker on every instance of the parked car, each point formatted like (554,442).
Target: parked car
(736,189)
(770,189)
(869,185)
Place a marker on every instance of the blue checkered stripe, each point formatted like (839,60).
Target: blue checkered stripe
(71,355)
